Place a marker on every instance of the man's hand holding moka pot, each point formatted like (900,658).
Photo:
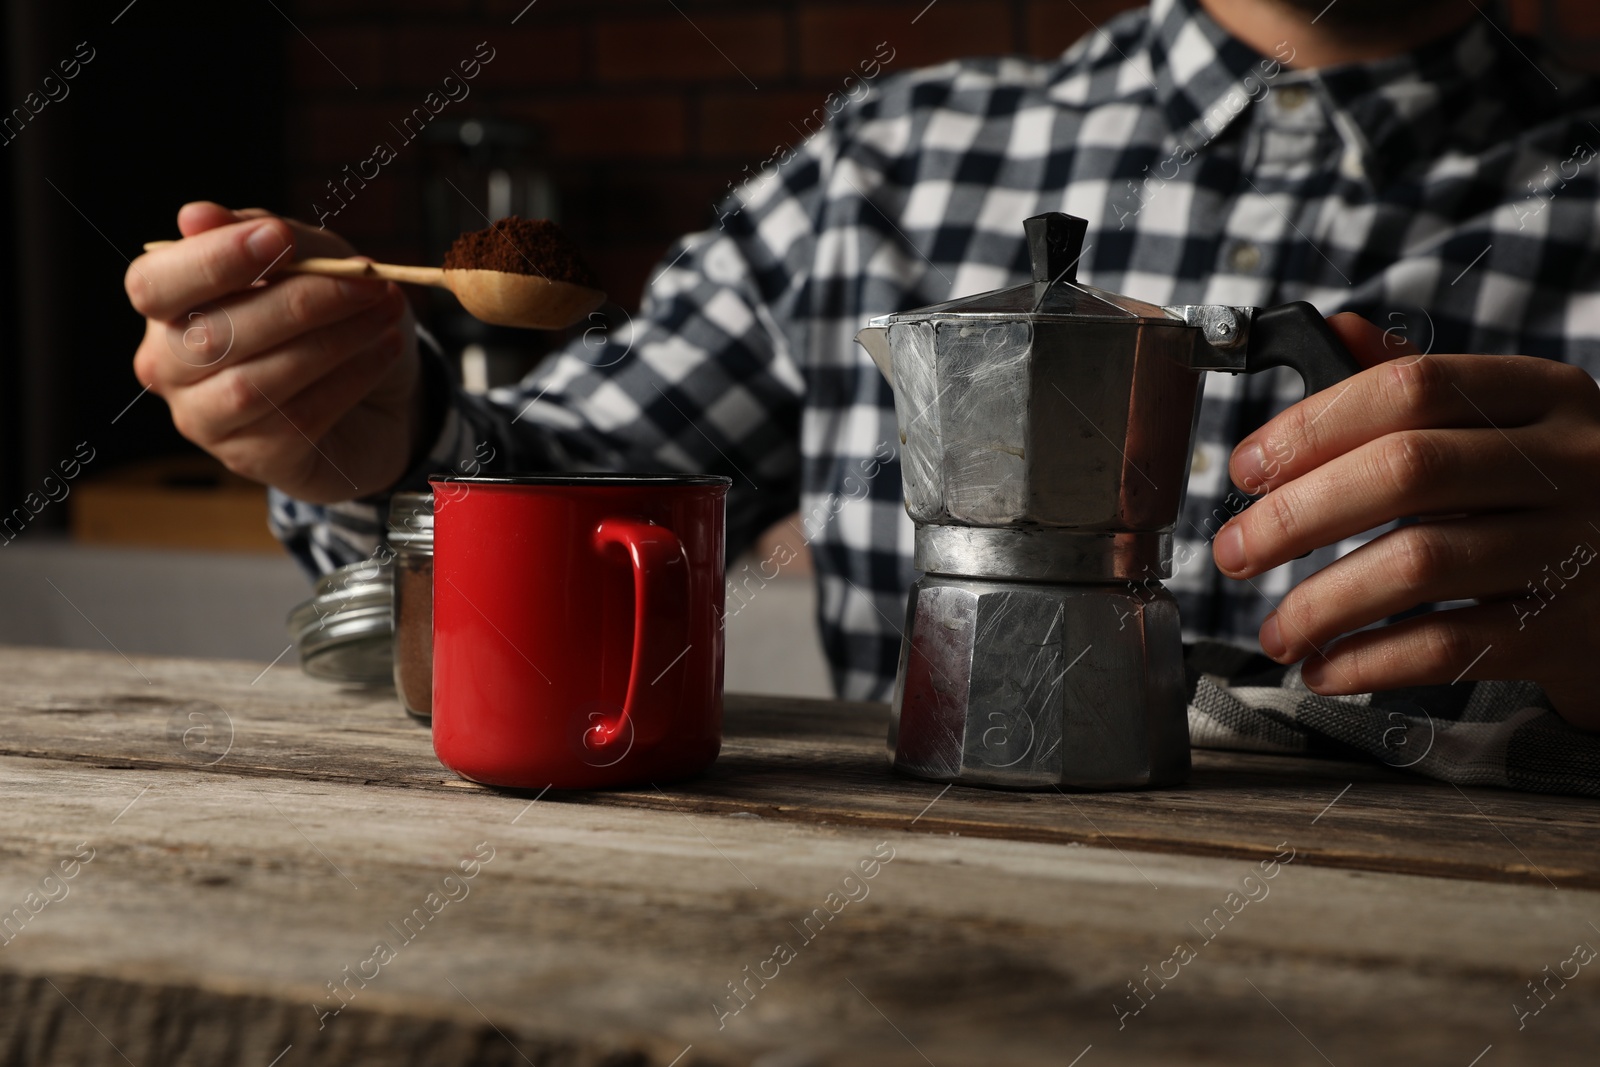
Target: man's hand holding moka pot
(1499,456)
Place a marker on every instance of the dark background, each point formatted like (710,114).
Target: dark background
(640,112)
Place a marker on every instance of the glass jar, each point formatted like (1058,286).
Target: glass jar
(344,633)
(411,538)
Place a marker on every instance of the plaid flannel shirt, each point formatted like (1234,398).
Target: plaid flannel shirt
(1447,194)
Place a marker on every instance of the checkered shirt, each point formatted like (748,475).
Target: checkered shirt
(1448,194)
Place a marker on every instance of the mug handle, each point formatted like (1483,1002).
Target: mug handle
(660,625)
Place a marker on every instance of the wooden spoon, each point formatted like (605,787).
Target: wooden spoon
(494,296)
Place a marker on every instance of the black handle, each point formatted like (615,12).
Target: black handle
(1296,335)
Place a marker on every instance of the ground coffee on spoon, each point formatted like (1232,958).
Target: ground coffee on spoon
(521,246)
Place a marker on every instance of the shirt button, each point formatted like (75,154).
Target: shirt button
(1292,97)
(1245,257)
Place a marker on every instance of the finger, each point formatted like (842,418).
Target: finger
(243,393)
(301,305)
(320,405)
(310,241)
(1459,559)
(290,442)
(202,215)
(242,327)
(1415,472)
(206,267)
(1441,648)
(1368,343)
(198,216)
(1419,393)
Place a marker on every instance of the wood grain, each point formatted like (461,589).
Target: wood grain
(817,762)
(217,907)
(255,834)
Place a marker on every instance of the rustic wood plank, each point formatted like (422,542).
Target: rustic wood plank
(217,905)
(817,762)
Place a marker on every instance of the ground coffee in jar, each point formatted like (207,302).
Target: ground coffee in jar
(411,538)
(522,246)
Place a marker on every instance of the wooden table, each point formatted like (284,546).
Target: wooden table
(254,836)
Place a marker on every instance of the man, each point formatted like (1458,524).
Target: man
(1401,159)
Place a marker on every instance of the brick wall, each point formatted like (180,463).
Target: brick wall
(648,114)
(650,106)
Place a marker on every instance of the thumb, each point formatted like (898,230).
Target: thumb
(198,216)
(1369,344)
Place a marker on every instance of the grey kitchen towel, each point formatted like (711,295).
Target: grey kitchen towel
(1471,733)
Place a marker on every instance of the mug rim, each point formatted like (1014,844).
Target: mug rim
(619,478)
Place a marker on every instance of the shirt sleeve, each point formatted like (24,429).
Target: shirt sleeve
(706,379)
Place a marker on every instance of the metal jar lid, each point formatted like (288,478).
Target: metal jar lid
(345,632)
(411,522)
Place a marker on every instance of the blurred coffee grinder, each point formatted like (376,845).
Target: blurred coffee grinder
(473,172)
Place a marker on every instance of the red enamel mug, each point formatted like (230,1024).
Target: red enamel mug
(577,628)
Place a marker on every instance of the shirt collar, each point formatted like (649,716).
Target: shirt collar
(1401,111)
(1391,113)
(1204,78)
